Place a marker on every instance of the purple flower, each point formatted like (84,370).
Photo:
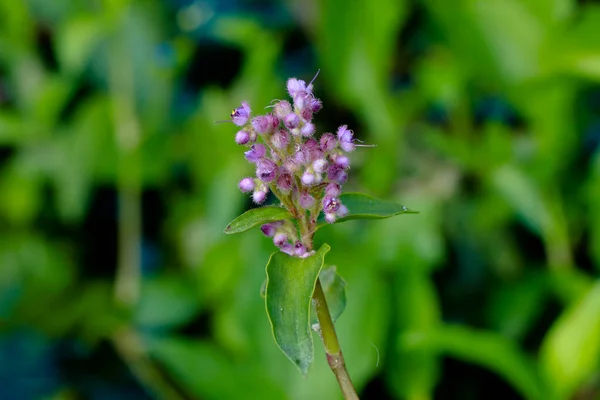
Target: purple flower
(266,169)
(242,137)
(331,204)
(307,130)
(241,115)
(282,108)
(287,248)
(312,150)
(345,137)
(308,178)
(330,218)
(291,121)
(280,239)
(347,146)
(342,162)
(344,134)
(337,174)
(333,189)
(256,152)
(270,229)
(342,211)
(319,165)
(299,249)
(328,142)
(306,201)
(259,196)
(315,105)
(261,124)
(246,185)
(306,114)
(284,182)
(296,87)
(292,164)
(301,157)
(280,139)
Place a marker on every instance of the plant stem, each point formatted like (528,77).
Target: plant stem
(333,351)
(331,344)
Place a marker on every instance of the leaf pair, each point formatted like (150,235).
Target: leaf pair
(360,206)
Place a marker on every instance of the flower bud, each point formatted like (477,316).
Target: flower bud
(337,174)
(330,218)
(295,86)
(259,196)
(246,185)
(319,165)
(282,108)
(261,124)
(306,201)
(315,104)
(299,249)
(327,142)
(342,211)
(307,130)
(266,170)
(308,179)
(292,164)
(270,228)
(242,137)
(280,139)
(291,121)
(279,239)
(284,182)
(342,162)
(333,189)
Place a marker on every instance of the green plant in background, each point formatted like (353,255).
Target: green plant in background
(305,173)
(486,118)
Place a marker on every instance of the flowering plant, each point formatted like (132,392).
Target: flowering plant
(305,173)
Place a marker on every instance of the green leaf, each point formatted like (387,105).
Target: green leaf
(362,206)
(571,350)
(334,287)
(257,216)
(290,285)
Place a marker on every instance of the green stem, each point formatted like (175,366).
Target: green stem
(333,351)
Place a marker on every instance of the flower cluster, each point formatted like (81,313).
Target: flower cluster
(304,171)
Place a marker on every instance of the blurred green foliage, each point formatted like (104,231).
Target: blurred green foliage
(116,280)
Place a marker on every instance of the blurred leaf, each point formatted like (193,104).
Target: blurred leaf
(20,193)
(414,372)
(76,41)
(362,206)
(487,349)
(290,286)
(570,353)
(580,53)
(521,192)
(257,216)
(166,302)
(516,306)
(205,371)
(334,287)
